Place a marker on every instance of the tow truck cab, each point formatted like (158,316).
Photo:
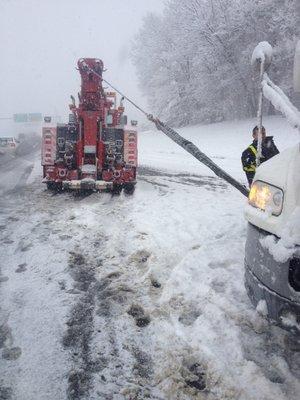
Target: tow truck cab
(272,254)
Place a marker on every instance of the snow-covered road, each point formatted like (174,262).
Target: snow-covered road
(136,297)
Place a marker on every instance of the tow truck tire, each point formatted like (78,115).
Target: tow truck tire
(54,186)
(117,189)
(129,188)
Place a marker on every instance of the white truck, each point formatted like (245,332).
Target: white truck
(272,254)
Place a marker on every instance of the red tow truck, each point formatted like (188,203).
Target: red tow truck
(96,150)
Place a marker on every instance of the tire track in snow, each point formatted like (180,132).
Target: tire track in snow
(8,352)
(80,326)
(163,178)
(33,320)
(110,349)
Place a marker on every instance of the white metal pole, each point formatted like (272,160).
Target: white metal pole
(259,115)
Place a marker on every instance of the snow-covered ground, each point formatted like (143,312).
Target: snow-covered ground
(223,142)
(141,296)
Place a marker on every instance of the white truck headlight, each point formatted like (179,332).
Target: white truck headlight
(266,197)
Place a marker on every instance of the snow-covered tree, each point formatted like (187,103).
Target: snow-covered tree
(193,61)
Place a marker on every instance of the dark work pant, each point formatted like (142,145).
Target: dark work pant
(250,176)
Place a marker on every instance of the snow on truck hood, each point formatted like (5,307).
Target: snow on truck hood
(282,171)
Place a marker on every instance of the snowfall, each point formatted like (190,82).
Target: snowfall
(142,296)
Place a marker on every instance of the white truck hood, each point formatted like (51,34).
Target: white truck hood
(282,171)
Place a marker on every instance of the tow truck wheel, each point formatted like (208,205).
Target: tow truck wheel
(54,186)
(116,190)
(129,188)
(50,186)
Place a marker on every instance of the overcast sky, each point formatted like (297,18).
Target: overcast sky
(41,41)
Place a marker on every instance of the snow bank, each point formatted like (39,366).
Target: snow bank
(281,250)
(290,321)
(262,308)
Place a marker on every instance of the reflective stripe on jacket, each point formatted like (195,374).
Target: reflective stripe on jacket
(251,167)
(254,150)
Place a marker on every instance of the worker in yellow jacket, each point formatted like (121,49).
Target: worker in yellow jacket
(269,150)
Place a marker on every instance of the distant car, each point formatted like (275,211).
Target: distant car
(7,144)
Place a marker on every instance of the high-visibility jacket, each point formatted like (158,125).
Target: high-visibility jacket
(269,150)
(249,159)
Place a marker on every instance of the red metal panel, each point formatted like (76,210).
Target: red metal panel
(48,145)
(90,128)
(130,147)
